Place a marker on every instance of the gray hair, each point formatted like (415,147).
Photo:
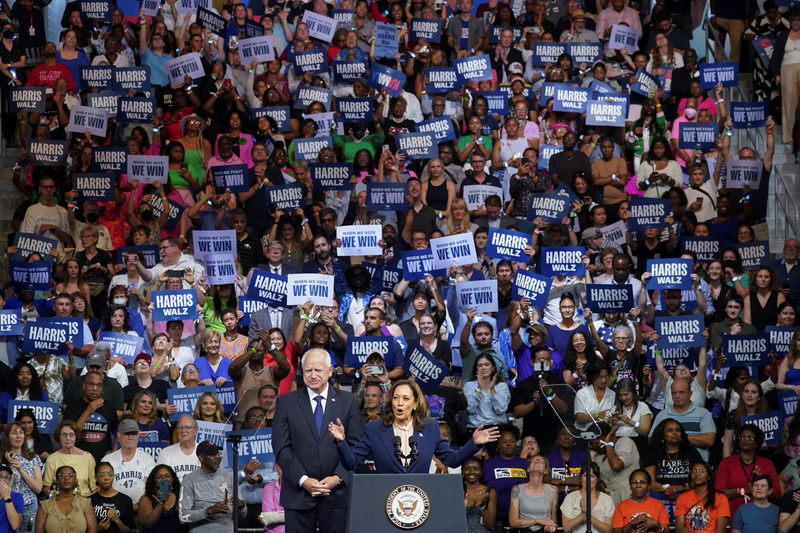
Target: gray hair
(622,329)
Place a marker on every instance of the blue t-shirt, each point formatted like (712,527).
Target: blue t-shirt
(19,506)
(158,69)
(753,519)
(464,42)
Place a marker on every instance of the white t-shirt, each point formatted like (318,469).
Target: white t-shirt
(130,477)
(181,463)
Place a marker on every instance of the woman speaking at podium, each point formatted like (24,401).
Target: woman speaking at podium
(405,439)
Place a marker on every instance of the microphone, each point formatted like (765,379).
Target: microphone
(397,443)
(412,443)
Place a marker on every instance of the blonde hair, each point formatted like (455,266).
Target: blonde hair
(217,414)
(451,221)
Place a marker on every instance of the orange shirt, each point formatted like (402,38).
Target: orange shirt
(629,509)
(697,517)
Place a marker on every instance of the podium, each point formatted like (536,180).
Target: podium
(423,503)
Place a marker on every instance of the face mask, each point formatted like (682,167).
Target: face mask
(690,113)
(92,218)
(120,301)
(146,215)
(8,34)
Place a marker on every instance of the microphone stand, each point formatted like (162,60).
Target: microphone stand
(234,440)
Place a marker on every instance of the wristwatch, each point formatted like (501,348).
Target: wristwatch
(8,500)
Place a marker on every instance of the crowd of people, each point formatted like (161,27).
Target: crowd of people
(666,430)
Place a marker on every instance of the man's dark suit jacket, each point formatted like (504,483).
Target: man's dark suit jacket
(300,451)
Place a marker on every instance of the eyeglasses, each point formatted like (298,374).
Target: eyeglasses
(68,475)
(162,248)
(699,471)
(186,428)
(528,442)
(7,479)
(622,339)
(190,371)
(747,437)
(638,482)
(790,247)
(538,461)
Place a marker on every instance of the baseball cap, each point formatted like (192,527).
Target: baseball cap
(517,78)
(515,68)
(207,448)
(591,233)
(127,426)
(96,359)
(538,329)
(6,468)
(142,356)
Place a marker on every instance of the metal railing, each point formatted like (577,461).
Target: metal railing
(784,221)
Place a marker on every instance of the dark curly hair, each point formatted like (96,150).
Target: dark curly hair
(657,444)
(150,487)
(126,325)
(571,357)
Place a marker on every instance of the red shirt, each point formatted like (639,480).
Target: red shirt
(44,75)
(733,474)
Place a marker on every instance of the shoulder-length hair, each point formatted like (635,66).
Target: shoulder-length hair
(35,390)
(150,486)
(628,385)
(420,414)
(5,442)
(113,308)
(793,353)
(773,279)
(474,375)
(217,413)
(761,405)
(135,407)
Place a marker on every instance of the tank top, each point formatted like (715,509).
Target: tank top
(768,314)
(531,507)
(437,196)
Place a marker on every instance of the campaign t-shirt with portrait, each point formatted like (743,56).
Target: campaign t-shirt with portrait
(696,515)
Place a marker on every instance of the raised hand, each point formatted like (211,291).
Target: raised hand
(337,430)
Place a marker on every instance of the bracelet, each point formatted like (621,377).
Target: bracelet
(664,487)
(158,283)
(338,329)
(469,321)
(164,199)
(741,491)
(22,122)
(658,105)
(303,316)
(72,365)
(138,263)
(721,101)
(254,349)
(157,365)
(769,132)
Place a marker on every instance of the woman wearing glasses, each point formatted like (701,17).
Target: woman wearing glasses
(67,512)
(534,505)
(67,434)
(703,509)
(596,401)
(640,512)
(113,509)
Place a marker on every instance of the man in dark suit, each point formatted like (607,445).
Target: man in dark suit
(315,487)
(495,218)
(273,317)
(275,253)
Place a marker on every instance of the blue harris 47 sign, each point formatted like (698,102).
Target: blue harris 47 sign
(387,197)
(426,369)
(746,350)
(712,74)
(10,322)
(123,345)
(648,213)
(563,261)
(670,274)
(770,423)
(681,331)
(749,114)
(417,263)
(331,176)
(175,305)
(506,244)
(532,286)
(552,207)
(602,298)
(697,135)
(46,414)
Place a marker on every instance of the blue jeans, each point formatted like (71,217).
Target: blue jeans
(29,517)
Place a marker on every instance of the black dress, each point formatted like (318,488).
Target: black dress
(768,314)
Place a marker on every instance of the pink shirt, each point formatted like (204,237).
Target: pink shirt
(608,17)
(270,501)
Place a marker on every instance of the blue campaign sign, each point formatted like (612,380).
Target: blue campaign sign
(601,298)
(308,149)
(46,414)
(547,53)
(712,74)
(506,244)
(149,251)
(10,322)
(359,348)
(110,159)
(588,53)
(615,98)
(671,356)
(749,114)
(36,275)
(426,369)
(770,423)
(227,396)
(94,186)
(132,109)
(391,275)
(645,83)
(601,87)
(31,99)
(417,263)
(697,135)
(268,288)
(280,114)
(753,254)
(552,207)
(549,89)
(185,399)
(602,113)
(331,176)
(44,337)
(495,31)
(387,197)
(746,350)
(122,345)
(383,77)
(648,213)
(348,71)
(47,153)
(546,151)
(681,331)
(670,274)
(475,68)
(788,402)
(96,9)
(497,101)
(428,29)
(571,100)
(153,449)
(28,243)
(107,101)
(234,178)
(96,77)
(343,16)
(441,79)
(248,306)
(255,446)
(779,339)
(385,42)
(706,248)
(75,327)
(208,19)
(286,197)
(441,127)
(532,286)
(417,145)
(354,109)
(310,62)
(175,305)
(136,79)
(562,261)
(307,95)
